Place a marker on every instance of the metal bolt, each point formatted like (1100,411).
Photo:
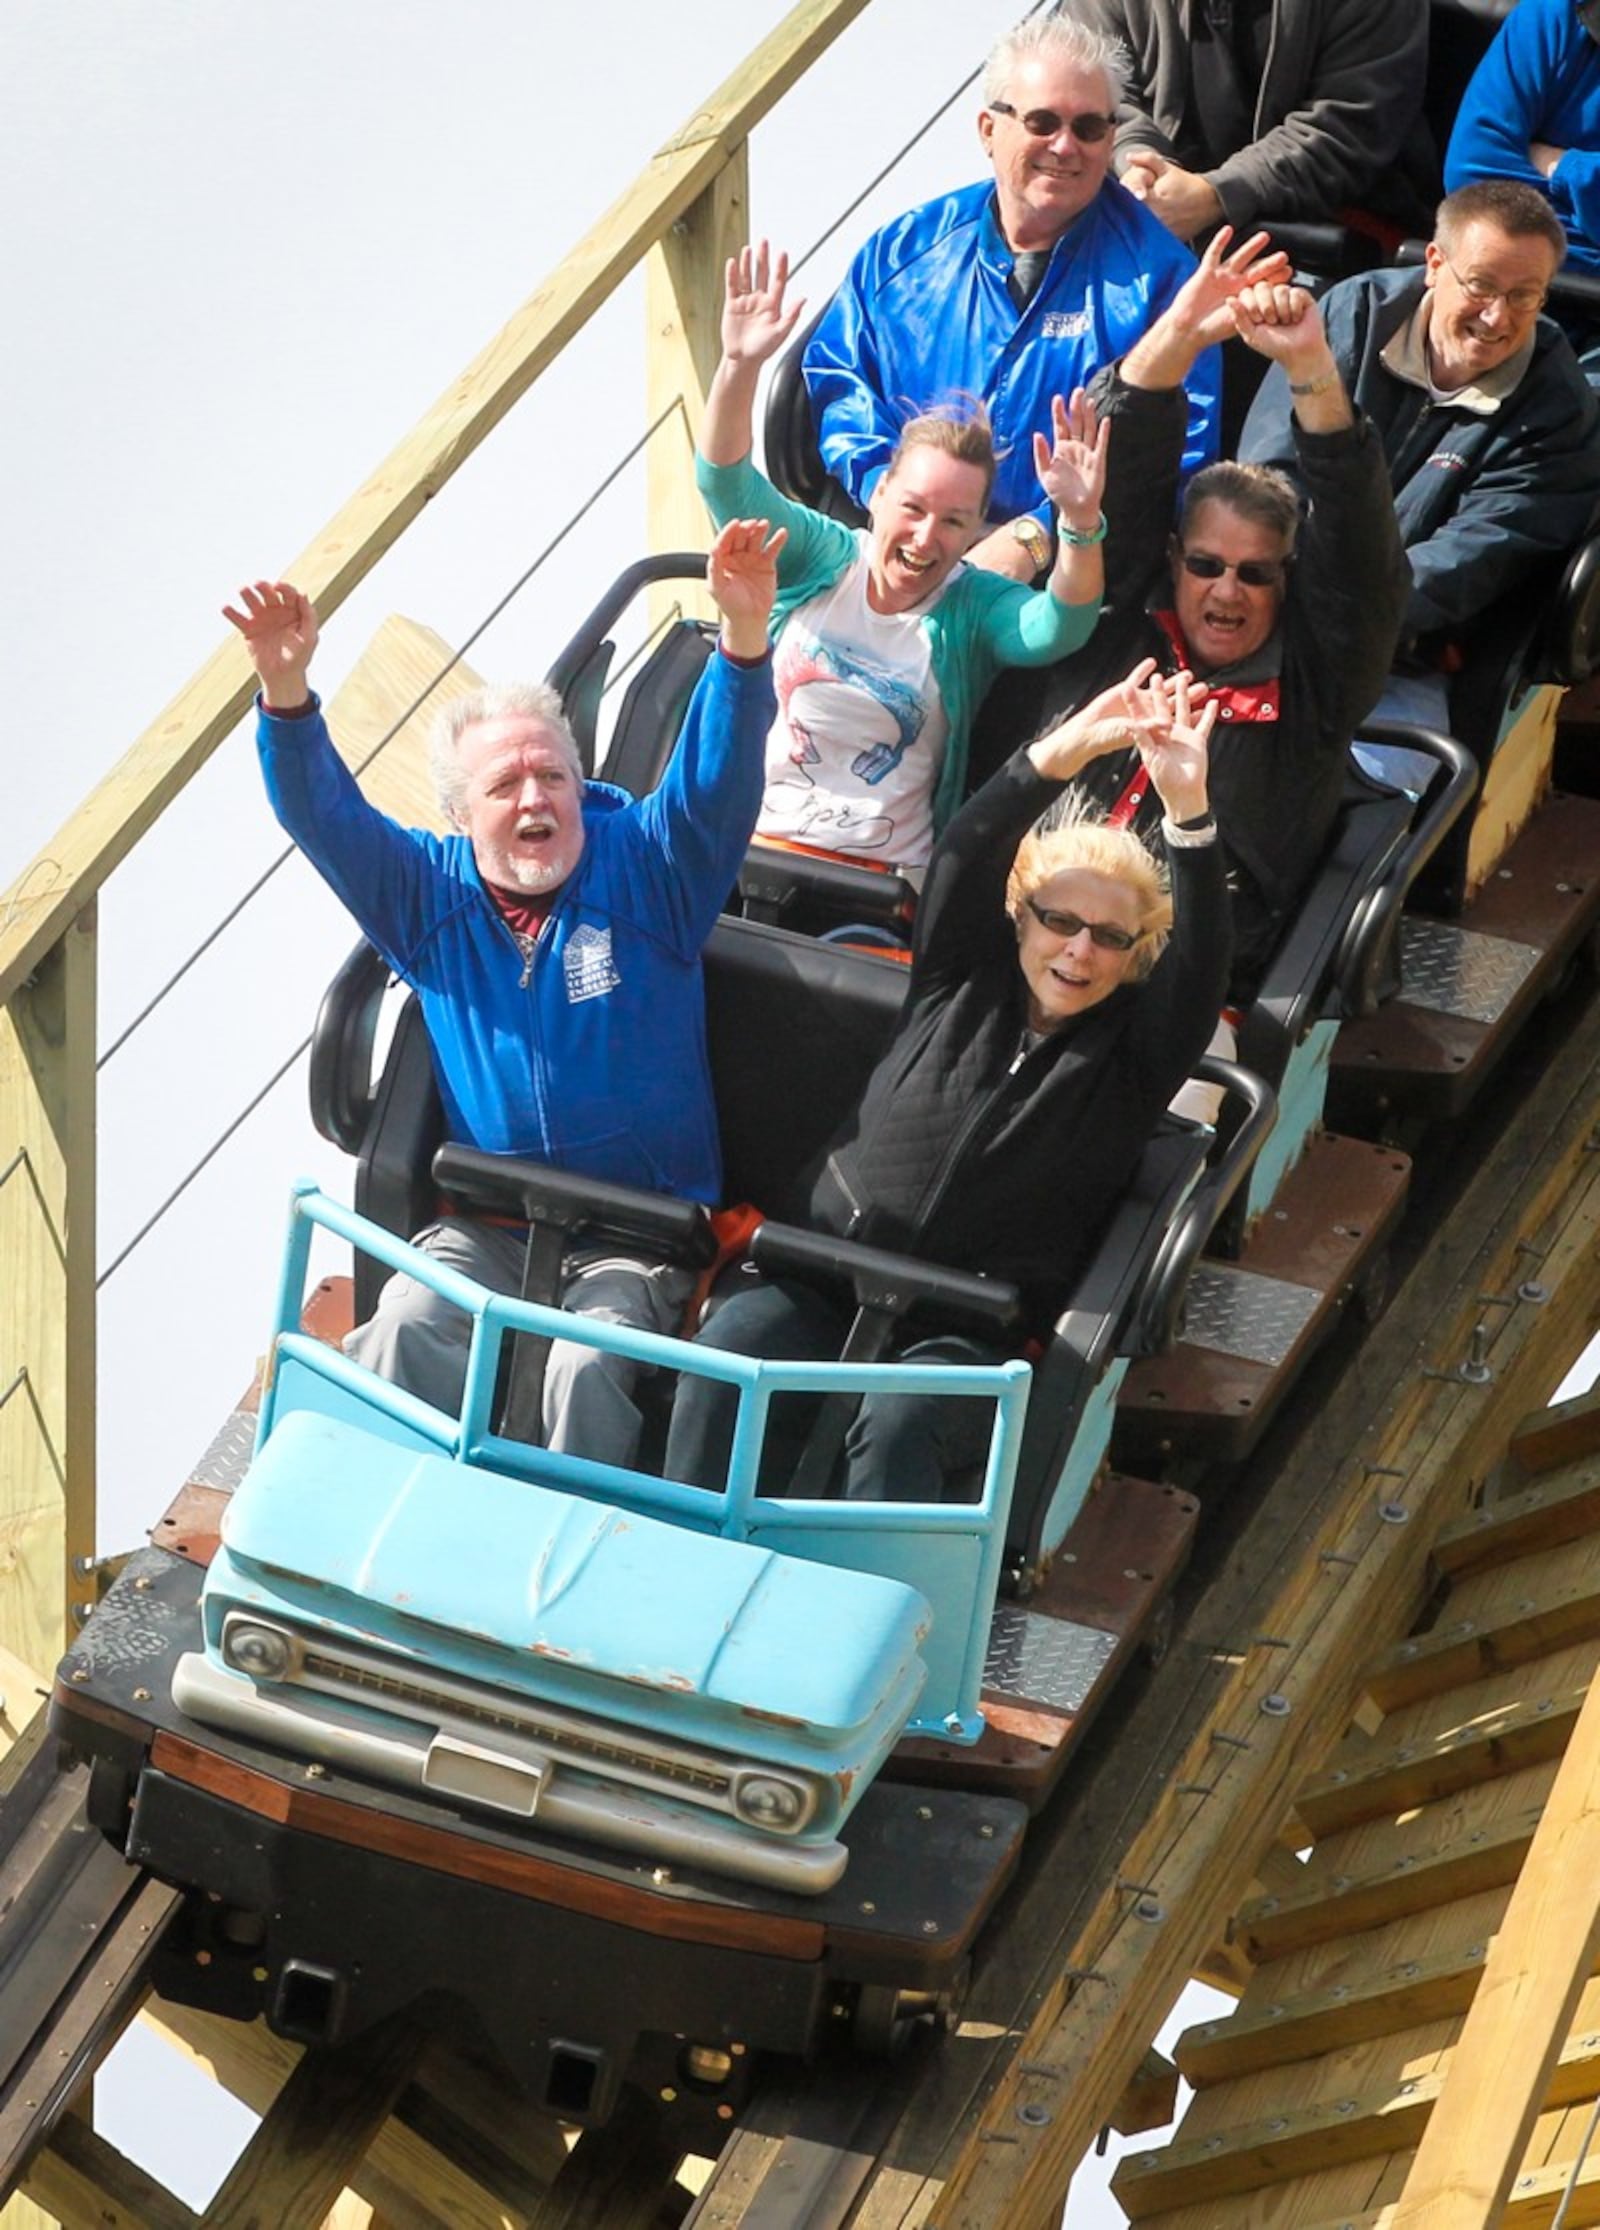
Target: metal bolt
(1533,1293)
(141,1585)
(924,1811)
(1394,1513)
(79,1673)
(1035,2117)
(141,1695)
(986,1832)
(867,1906)
(930,1927)
(1276,1706)
(316,1773)
(1151,1909)
(661,1876)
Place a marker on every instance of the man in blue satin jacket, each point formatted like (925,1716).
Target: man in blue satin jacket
(1014,292)
(553,941)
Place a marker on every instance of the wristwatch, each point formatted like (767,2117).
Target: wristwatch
(1034,540)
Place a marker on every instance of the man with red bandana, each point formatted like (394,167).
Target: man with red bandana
(1291,627)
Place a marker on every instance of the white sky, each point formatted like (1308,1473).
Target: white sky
(247,249)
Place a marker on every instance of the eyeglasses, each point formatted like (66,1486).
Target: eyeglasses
(1044,123)
(1252,572)
(1519,300)
(1108,935)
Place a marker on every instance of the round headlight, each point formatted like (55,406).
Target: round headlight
(264,1652)
(762,1800)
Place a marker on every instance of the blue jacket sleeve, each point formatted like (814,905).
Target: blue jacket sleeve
(1505,101)
(388,877)
(844,378)
(689,835)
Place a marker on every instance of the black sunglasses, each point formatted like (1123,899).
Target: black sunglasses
(1043,123)
(1106,934)
(1252,572)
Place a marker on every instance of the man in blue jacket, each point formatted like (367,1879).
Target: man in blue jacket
(1015,291)
(554,944)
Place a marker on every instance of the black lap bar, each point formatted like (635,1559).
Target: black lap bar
(891,1283)
(679,1230)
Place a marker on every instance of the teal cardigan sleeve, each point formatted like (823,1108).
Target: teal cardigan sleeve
(818,549)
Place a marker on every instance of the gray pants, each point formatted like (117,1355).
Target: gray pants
(417,1339)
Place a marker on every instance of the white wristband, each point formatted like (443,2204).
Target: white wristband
(1187,840)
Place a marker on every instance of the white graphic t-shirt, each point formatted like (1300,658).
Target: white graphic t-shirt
(853,757)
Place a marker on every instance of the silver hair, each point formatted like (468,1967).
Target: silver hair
(524,700)
(1059,38)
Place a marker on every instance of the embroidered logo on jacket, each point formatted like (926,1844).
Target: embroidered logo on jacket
(590,970)
(1065,325)
(1448,460)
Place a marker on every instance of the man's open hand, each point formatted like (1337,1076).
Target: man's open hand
(279,628)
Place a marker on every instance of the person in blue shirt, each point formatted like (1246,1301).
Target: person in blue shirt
(553,940)
(1532,114)
(1013,291)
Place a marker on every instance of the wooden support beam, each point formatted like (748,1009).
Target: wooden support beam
(1304,2024)
(1542,1957)
(404,662)
(1326,1908)
(1150,2100)
(1358,2125)
(1456,1652)
(318,2131)
(1561,1434)
(1540,1517)
(85,2184)
(615,2178)
(60,881)
(684,279)
(413,2172)
(47,1297)
(1396,1777)
(1536,2197)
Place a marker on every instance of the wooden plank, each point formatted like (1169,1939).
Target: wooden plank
(1342,1578)
(1562,1434)
(86,2184)
(1150,2100)
(1399,1776)
(615,2178)
(1556,1510)
(1306,2140)
(1541,1959)
(1457,1651)
(1327,1907)
(405,2174)
(318,2131)
(684,285)
(60,881)
(47,1298)
(1517,779)
(405,665)
(1304,2024)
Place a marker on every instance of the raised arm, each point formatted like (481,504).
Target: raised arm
(1072,472)
(1201,312)
(756,322)
(1283,324)
(279,628)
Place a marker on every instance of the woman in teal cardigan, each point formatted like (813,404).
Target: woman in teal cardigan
(885,639)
